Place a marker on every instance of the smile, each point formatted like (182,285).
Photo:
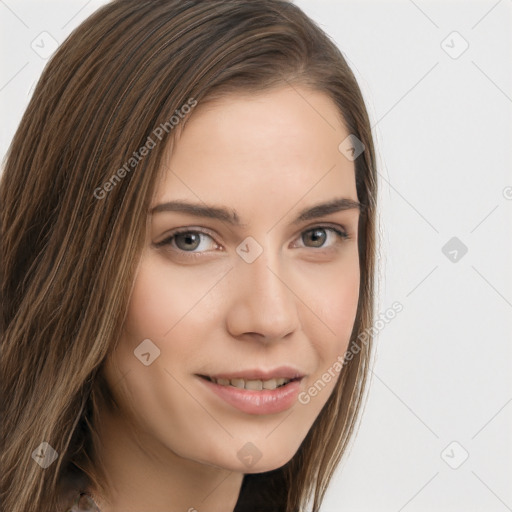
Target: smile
(258,397)
(253,385)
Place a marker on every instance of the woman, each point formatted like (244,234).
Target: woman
(188,248)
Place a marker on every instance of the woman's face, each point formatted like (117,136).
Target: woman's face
(261,286)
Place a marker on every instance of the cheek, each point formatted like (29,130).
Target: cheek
(333,296)
(163,297)
(342,307)
(337,308)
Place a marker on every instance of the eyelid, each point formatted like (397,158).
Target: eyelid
(188,229)
(325,225)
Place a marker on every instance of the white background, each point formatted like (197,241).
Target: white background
(442,125)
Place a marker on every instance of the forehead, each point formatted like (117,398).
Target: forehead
(274,147)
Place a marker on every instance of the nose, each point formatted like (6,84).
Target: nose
(262,304)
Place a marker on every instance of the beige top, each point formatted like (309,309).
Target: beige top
(73,496)
(83,503)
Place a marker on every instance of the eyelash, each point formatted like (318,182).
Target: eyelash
(343,235)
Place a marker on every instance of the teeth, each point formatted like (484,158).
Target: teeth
(253,385)
(270,384)
(238,383)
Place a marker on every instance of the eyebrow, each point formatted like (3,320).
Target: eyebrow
(231,216)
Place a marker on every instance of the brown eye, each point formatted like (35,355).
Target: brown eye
(188,241)
(317,236)
(322,237)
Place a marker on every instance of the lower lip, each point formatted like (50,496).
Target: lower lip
(269,401)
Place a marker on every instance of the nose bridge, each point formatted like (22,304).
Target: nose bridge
(266,277)
(264,302)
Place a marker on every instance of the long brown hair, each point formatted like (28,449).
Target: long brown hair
(69,256)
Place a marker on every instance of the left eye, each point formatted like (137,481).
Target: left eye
(189,240)
(318,235)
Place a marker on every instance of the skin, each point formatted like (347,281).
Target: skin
(267,156)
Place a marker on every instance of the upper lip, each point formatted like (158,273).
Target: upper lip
(285,372)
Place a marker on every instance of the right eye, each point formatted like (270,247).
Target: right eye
(185,241)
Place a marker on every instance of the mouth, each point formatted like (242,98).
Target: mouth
(252,384)
(269,394)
